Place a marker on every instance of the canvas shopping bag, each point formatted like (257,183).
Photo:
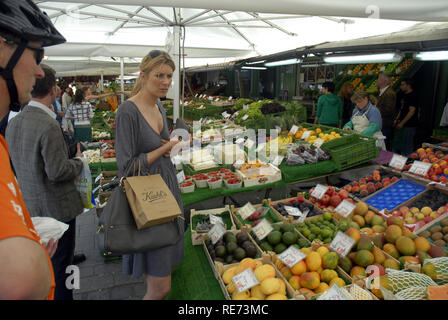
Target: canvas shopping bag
(151,201)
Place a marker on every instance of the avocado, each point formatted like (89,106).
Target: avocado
(274,237)
(239,254)
(289,238)
(251,250)
(231,246)
(228,259)
(286,227)
(345,263)
(276,227)
(241,237)
(220,251)
(265,246)
(302,243)
(279,248)
(229,237)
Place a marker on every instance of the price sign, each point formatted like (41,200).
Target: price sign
(342,244)
(277,161)
(216,232)
(202,107)
(334,293)
(196,95)
(210,98)
(319,142)
(246,211)
(398,162)
(262,229)
(279,129)
(319,191)
(294,129)
(245,280)
(420,168)
(245,117)
(225,114)
(217,99)
(293,211)
(345,208)
(349,72)
(245,107)
(214,220)
(181,176)
(291,256)
(238,163)
(230,98)
(305,135)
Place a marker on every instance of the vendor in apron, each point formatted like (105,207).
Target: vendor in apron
(366,118)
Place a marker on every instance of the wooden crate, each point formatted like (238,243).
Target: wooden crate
(196,237)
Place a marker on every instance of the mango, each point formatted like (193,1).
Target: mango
(229,274)
(276,296)
(379,255)
(364,258)
(299,268)
(405,246)
(328,275)
(322,250)
(357,271)
(256,292)
(338,281)
(391,264)
(390,249)
(244,264)
(313,261)
(322,288)
(359,220)
(378,229)
(354,234)
(294,281)
(310,280)
(361,208)
(377,220)
(393,232)
(286,272)
(330,260)
(270,286)
(421,244)
(369,216)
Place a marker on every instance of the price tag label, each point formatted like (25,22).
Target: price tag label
(196,95)
(217,99)
(214,220)
(210,98)
(342,244)
(98,178)
(245,280)
(319,191)
(291,256)
(397,162)
(246,211)
(293,211)
(245,117)
(245,107)
(262,229)
(277,160)
(334,293)
(225,114)
(216,232)
(230,98)
(420,168)
(319,142)
(181,176)
(349,72)
(202,107)
(345,208)
(279,129)
(306,135)
(294,129)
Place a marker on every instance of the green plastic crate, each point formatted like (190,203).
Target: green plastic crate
(362,150)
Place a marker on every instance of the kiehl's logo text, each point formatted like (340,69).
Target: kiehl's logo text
(151,196)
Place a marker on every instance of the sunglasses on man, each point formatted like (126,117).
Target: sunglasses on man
(38,50)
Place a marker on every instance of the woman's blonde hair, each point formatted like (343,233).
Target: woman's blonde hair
(153,59)
(359,96)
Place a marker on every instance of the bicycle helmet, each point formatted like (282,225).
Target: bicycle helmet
(22,21)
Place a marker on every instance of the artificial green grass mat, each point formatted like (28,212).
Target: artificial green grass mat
(193,278)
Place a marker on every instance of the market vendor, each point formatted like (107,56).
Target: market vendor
(366,118)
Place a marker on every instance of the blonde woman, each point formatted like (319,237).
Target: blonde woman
(142,133)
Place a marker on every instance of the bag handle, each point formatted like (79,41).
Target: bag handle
(139,168)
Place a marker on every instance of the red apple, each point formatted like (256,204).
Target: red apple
(335,201)
(325,200)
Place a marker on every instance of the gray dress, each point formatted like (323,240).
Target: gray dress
(134,138)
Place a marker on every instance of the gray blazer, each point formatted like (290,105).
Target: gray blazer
(45,174)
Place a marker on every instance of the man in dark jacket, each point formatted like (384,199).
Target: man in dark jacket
(45,173)
(386,105)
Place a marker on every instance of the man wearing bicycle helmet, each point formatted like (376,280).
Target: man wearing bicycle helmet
(26,270)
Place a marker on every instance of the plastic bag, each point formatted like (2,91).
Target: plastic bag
(83,184)
(48,228)
(294,160)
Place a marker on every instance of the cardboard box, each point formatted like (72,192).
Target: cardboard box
(265,259)
(196,237)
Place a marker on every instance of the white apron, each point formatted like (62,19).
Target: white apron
(361,123)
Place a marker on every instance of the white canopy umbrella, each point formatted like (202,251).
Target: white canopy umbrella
(220,31)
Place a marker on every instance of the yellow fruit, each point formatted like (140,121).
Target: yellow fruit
(361,208)
(282,289)
(231,288)
(244,264)
(228,275)
(263,272)
(405,246)
(256,292)
(313,261)
(391,264)
(286,272)
(306,250)
(322,287)
(270,286)
(279,264)
(241,295)
(258,263)
(322,251)
(294,281)
(330,260)
(338,281)
(328,275)
(393,232)
(310,280)
(379,255)
(299,268)
(357,271)
(421,244)
(277,296)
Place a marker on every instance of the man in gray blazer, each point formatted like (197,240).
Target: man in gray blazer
(45,173)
